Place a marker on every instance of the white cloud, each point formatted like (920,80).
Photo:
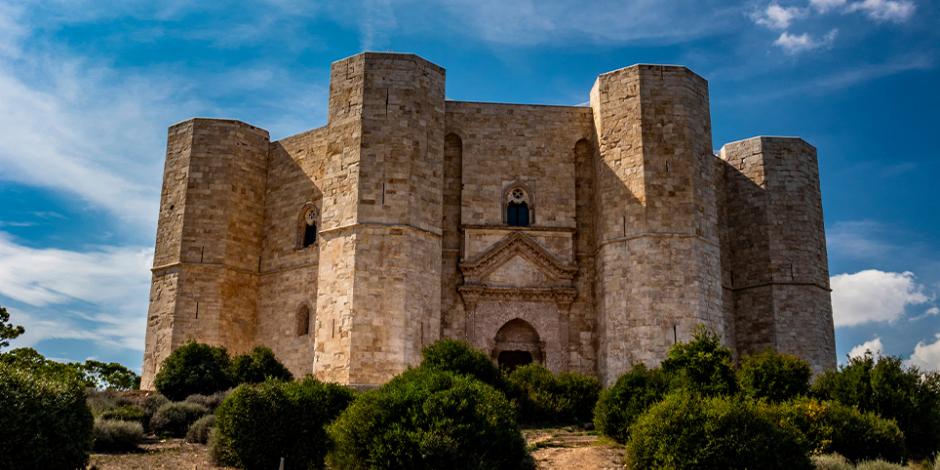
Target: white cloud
(872,346)
(897,11)
(797,43)
(826,5)
(926,356)
(873,296)
(933,311)
(99,295)
(777,17)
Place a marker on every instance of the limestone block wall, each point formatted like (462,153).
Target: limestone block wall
(778,260)
(209,239)
(658,254)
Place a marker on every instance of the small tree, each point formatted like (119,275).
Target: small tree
(885,386)
(703,365)
(194,368)
(257,366)
(110,376)
(620,405)
(8,330)
(774,376)
(460,358)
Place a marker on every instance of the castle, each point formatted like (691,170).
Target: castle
(585,238)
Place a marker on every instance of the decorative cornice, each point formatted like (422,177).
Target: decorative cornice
(473,293)
(516,243)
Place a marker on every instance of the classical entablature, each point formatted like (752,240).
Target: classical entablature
(518,268)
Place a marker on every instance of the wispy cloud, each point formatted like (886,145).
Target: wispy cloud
(775,16)
(824,6)
(896,11)
(798,43)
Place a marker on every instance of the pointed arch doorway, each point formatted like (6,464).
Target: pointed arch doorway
(517,344)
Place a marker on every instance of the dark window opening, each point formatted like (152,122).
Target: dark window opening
(310,235)
(517,214)
(303,321)
(509,360)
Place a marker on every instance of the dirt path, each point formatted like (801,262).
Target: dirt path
(553,449)
(567,448)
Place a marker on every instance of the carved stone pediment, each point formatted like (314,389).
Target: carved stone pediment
(518,268)
(517,244)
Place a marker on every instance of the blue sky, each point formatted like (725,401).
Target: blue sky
(87,90)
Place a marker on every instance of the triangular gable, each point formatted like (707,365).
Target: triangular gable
(517,244)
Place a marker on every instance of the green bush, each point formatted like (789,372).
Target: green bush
(427,419)
(117,436)
(455,356)
(834,427)
(174,418)
(198,432)
(633,393)
(702,365)
(44,420)
(194,368)
(209,401)
(904,394)
(125,413)
(220,449)
(831,462)
(544,398)
(257,366)
(258,424)
(773,376)
(686,431)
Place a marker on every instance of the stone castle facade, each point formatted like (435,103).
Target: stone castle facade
(587,238)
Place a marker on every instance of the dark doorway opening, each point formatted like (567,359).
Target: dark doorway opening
(509,360)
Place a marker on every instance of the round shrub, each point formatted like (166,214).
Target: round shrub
(702,365)
(174,418)
(44,420)
(685,431)
(198,432)
(773,376)
(220,449)
(455,356)
(194,368)
(425,419)
(125,413)
(258,424)
(888,388)
(257,366)
(834,427)
(544,398)
(211,402)
(117,436)
(633,393)
(151,403)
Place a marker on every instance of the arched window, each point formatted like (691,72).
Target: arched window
(517,208)
(307,232)
(303,320)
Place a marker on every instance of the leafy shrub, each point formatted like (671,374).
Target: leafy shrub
(257,366)
(174,418)
(773,376)
(117,436)
(702,365)
(831,462)
(427,419)
(544,398)
(220,449)
(886,387)
(686,431)
(211,402)
(936,463)
(633,393)
(44,420)
(151,403)
(878,465)
(125,413)
(455,356)
(194,368)
(198,432)
(834,427)
(258,424)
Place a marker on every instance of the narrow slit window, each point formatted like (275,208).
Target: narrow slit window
(308,227)
(303,321)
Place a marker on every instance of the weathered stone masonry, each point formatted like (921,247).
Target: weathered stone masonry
(585,238)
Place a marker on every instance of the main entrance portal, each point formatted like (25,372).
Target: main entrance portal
(517,344)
